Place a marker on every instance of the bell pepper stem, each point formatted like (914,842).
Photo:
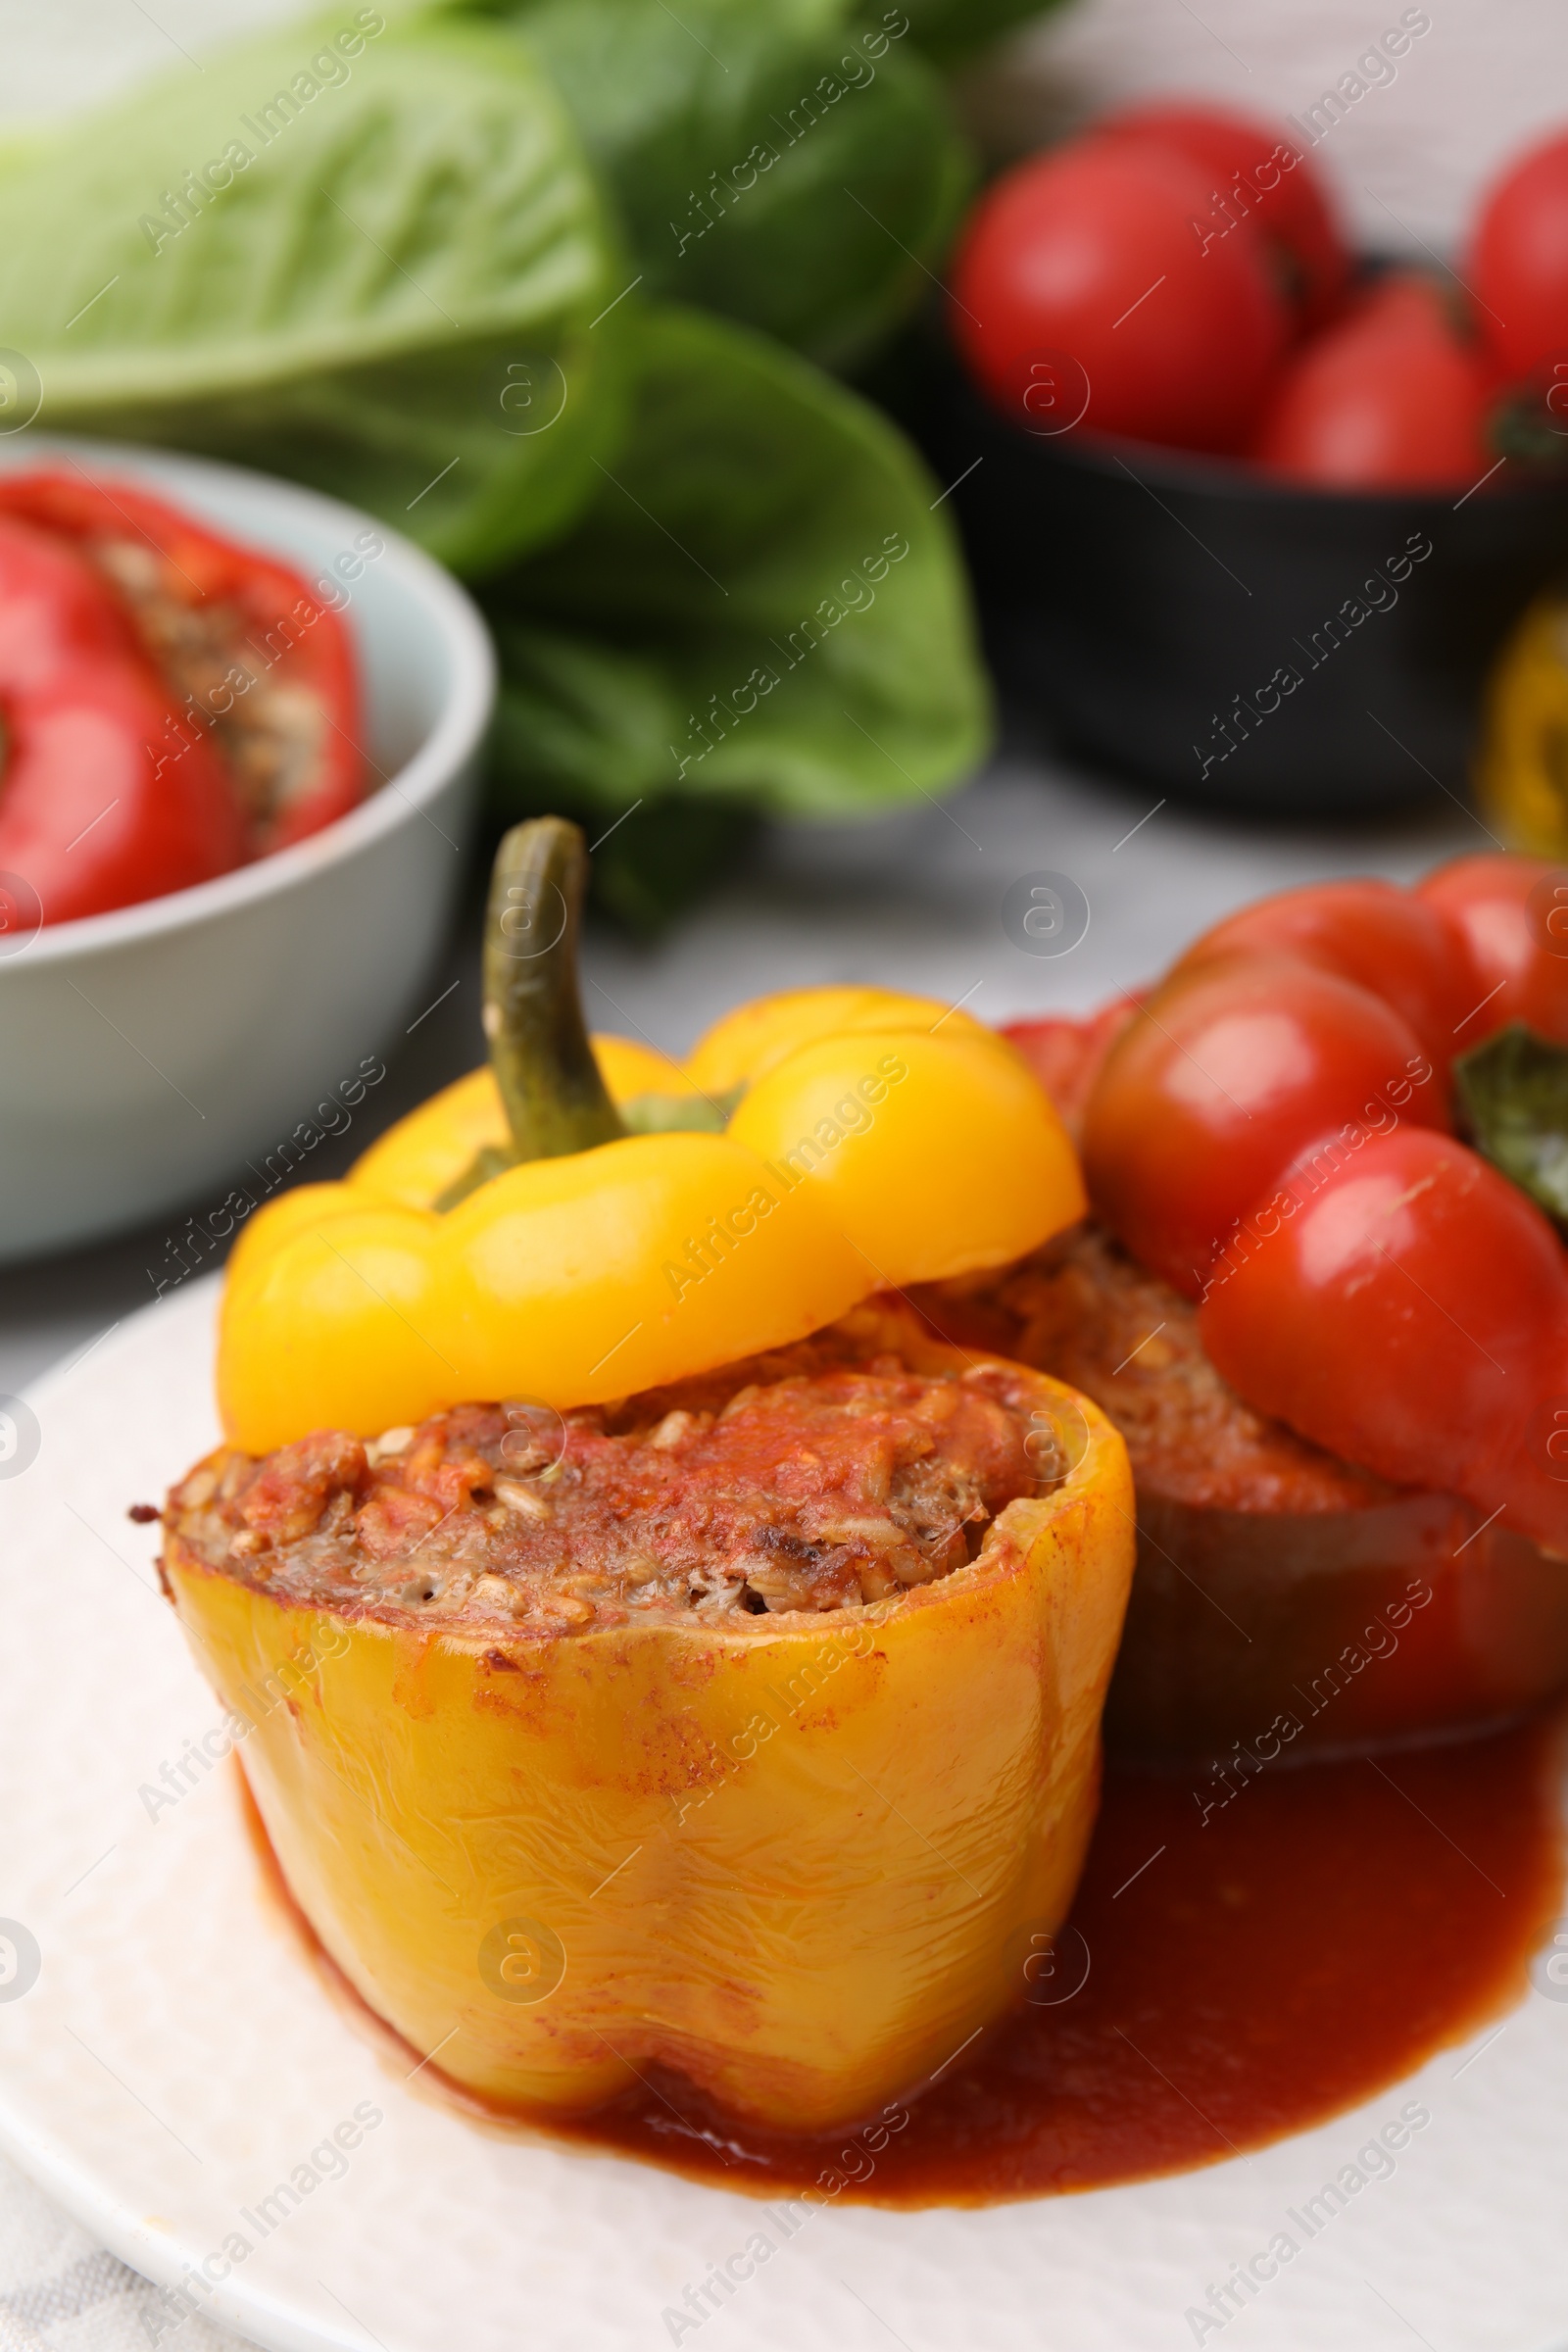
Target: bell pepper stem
(555,1098)
(550,1083)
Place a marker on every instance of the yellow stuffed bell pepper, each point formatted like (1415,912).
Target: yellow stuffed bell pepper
(796,1859)
(515,1237)
(745,1729)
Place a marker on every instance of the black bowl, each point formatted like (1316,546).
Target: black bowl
(1187,620)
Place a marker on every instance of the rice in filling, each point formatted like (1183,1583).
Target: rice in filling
(795,1481)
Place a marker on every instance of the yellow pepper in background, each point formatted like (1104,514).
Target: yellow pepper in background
(1522,766)
(879,1140)
(804,1865)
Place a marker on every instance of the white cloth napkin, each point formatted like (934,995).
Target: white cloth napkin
(59,2292)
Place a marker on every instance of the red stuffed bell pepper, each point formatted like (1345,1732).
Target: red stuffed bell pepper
(171,705)
(1333,1336)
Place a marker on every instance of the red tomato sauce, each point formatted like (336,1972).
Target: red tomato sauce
(1248,1975)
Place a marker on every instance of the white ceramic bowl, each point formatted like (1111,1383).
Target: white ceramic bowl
(149,1055)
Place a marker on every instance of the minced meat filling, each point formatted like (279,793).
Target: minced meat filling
(784,1486)
(272,732)
(1083,1310)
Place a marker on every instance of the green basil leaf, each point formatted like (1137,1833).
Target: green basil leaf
(665,858)
(373,272)
(950,31)
(1513,1090)
(579,729)
(796,175)
(761,608)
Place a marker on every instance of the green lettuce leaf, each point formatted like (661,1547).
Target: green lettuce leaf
(1513,1092)
(760,610)
(383,281)
(797,174)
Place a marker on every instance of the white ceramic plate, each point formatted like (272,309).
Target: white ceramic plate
(176,2058)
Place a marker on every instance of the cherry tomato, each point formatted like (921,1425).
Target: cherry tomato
(1389,397)
(1408,1310)
(1259,179)
(1228,1072)
(1512,915)
(1399,945)
(1083,263)
(85,817)
(1518,263)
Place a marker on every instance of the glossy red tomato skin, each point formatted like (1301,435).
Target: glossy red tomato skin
(1512,914)
(1387,398)
(1518,261)
(1399,945)
(1266,182)
(1231,1069)
(86,819)
(1406,1314)
(1088,252)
